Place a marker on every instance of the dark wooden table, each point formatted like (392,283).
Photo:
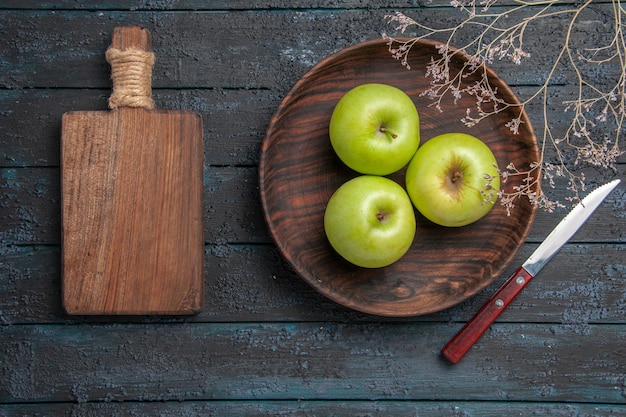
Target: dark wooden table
(266,344)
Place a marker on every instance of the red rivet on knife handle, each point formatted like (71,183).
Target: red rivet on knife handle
(462,342)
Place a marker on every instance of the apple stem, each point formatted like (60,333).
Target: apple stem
(380,216)
(458,175)
(385,130)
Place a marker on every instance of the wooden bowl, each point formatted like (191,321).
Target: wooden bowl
(299,171)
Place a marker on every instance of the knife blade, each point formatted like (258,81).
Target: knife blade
(461,343)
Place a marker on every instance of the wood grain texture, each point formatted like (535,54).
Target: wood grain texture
(131,188)
(299,172)
(235,120)
(316,361)
(278,46)
(29,213)
(556,351)
(467,337)
(299,408)
(213,5)
(580,288)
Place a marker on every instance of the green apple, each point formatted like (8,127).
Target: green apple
(453,179)
(370,221)
(374,129)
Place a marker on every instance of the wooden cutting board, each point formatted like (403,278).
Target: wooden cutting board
(131,185)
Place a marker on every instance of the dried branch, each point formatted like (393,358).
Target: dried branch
(500,36)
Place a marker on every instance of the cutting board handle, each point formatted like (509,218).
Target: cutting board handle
(131,58)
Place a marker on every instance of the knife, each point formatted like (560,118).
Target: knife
(458,346)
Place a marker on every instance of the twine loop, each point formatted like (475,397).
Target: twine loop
(131,73)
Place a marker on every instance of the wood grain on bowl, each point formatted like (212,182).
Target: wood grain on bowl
(299,171)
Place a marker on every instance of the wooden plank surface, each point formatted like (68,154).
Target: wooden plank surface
(384,408)
(318,361)
(232,140)
(131,184)
(279,44)
(267,344)
(132,212)
(249,283)
(231,202)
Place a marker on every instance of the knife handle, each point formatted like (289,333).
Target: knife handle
(458,346)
